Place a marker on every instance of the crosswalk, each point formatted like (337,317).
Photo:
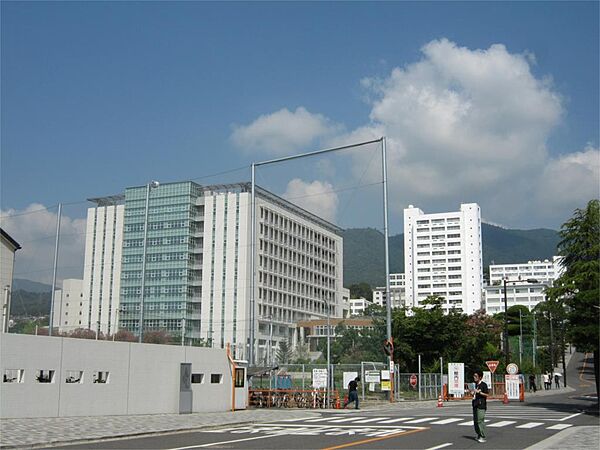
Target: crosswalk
(518,418)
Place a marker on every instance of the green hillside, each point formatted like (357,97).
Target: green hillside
(364,252)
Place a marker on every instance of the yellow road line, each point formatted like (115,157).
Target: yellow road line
(366,441)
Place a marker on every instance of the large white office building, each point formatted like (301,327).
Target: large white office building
(443,256)
(102,269)
(543,271)
(525,283)
(198,265)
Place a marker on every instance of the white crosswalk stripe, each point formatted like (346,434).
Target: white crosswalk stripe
(397,419)
(530,425)
(559,426)
(501,424)
(346,419)
(372,419)
(423,419)
(446,421)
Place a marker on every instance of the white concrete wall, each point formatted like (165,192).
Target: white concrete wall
(144,378)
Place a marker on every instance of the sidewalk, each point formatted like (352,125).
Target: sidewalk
(581,438)
(36,432)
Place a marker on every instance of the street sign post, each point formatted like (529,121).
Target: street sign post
(492,365)
(413,380)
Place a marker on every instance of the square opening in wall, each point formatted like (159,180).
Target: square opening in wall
(74,377)
(13,375)
(45,376)
(101,377)
(216,378)
(197,378)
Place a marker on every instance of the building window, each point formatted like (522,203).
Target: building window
(13,375)
(239,378)
(74,376)
(45,376)
(216,378)
(197,378)
(101,377)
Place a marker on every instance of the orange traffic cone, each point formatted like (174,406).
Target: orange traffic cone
(505,399)
(440,402)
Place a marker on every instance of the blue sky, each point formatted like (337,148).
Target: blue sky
(481,101)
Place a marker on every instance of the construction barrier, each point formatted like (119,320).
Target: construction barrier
(293,398)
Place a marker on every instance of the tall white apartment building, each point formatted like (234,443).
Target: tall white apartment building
(102,270)
(70,306)
(542,271)
(397,291)
(443,256)
(517,293)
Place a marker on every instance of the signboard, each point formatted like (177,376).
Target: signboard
(371,387)
(319,378)
(386,385)
(372,376)
(456,375)
(492,365)
(512,369)
(413,380)
(511,383)
(385,375)
(487,378)
(348,377)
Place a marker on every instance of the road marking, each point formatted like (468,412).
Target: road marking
(424,419)
(445,421)
(375,439)
(346,419)
(298,419)
(501,424)
(226,442)
(447,444)
(466,424)
(399,419)
(570,417)
(320,419)
(373,419)
(559,426)
(530,425)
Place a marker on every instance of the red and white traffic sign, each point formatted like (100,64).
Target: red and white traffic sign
(492,365)
(413,380)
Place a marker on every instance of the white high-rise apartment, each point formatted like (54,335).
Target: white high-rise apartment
(102,270)
(70,306)
(443,256)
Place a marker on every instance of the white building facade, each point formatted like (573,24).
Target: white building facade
(8,248)
(70,309)
(443,256)
(397,292)
(543,271)
(358,306)
(517,293)
(102,269)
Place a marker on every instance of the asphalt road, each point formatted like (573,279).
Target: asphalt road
(513,426)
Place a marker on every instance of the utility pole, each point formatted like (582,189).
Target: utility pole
(520,339)
(56,244)
(506,349)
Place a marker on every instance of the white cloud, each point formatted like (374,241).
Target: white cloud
(34,228)
(283,132)
(462,125)
(317,197)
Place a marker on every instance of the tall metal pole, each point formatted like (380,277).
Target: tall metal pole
(141,321)
(6,309)
(520,339)
(183,332)
(551,344)
(387,260)
(419,376)
(534,344)
(506,349)
(329,374)
(252,267)
(54,270)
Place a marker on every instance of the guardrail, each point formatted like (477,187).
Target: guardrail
(292,398)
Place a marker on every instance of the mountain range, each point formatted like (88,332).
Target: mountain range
(364,256)
(364,250)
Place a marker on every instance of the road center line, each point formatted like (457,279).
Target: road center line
(226,442)
(375,439)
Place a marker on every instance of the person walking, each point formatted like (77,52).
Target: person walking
(545,378)
(480,394)
(556,381)
(532,385)
(353,393)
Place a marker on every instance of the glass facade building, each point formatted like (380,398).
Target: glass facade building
(173,285)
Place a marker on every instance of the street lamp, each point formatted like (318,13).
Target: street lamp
(151,185)
(504,281)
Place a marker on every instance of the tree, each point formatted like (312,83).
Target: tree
(284,352)
(82,333)
(125,336)
(579,285)
(301,355)
(363,290)
(157,337)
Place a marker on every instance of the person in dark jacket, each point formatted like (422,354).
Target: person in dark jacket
(480,394)
(353,393)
